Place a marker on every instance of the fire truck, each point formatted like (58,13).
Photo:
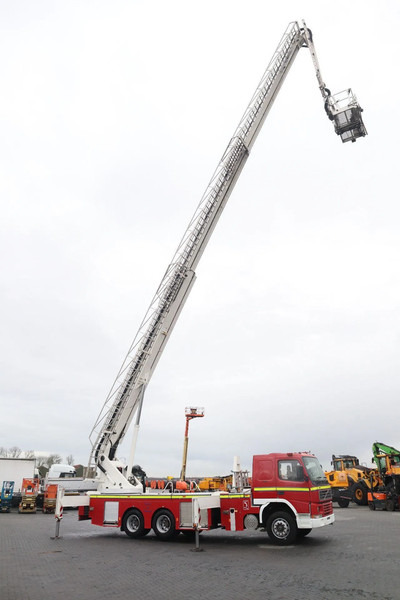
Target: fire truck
(288,497)
(287,504)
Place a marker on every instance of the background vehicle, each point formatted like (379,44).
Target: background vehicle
(7,491)
(49,498)
(350,480)
(387,460)
(57,471)
(65,476)
(340,485)
(29,492)
(16,469)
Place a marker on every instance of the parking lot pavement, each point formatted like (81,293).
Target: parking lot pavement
(356,558)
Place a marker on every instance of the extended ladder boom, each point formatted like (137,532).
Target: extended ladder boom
(126,394)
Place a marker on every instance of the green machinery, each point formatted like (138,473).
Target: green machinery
(387,460)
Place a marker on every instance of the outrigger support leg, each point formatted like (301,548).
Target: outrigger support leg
(57,534)
(197,542)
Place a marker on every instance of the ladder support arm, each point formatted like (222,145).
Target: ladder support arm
(126,393)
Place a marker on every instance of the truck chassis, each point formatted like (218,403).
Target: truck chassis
(170,514)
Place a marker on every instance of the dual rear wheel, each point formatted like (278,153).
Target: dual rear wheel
(133,524)
(163,524)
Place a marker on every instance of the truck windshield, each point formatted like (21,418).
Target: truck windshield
(314,470)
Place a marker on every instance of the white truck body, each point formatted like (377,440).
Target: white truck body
(16,469)
(73,484)
(65,476)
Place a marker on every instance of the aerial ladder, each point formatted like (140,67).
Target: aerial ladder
(125,399)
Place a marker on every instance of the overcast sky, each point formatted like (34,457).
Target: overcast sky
(113,116)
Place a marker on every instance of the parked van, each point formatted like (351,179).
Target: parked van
(61,471)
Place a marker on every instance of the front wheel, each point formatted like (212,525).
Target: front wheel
(281,528)
(343,502)
(164,524)
(360,494)
(133,524)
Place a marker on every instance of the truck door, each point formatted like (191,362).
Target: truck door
(292,485)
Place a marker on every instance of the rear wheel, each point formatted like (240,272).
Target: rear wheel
(281,528)
(164,524)
(133,524)
(390,504)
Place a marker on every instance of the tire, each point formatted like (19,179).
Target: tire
(301,533)
(133,524)
(164,524)
(281,528)
(372,505)
(360,494)
(390,505)
(343,502)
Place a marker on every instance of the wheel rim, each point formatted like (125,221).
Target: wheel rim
(163,523)
(359,494)
(280,528)
(133,523)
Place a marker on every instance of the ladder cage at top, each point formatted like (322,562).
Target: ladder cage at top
(346,112)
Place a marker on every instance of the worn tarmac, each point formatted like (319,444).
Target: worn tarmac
(356,558)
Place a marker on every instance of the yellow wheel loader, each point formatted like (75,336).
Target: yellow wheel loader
(351,481)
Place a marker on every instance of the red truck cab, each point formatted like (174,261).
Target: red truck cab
(289,497)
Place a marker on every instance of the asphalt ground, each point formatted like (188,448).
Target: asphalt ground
(356,558)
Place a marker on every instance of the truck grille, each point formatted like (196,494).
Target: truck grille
(325,494)
(327,508)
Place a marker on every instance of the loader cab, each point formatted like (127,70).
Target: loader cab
(343,462)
